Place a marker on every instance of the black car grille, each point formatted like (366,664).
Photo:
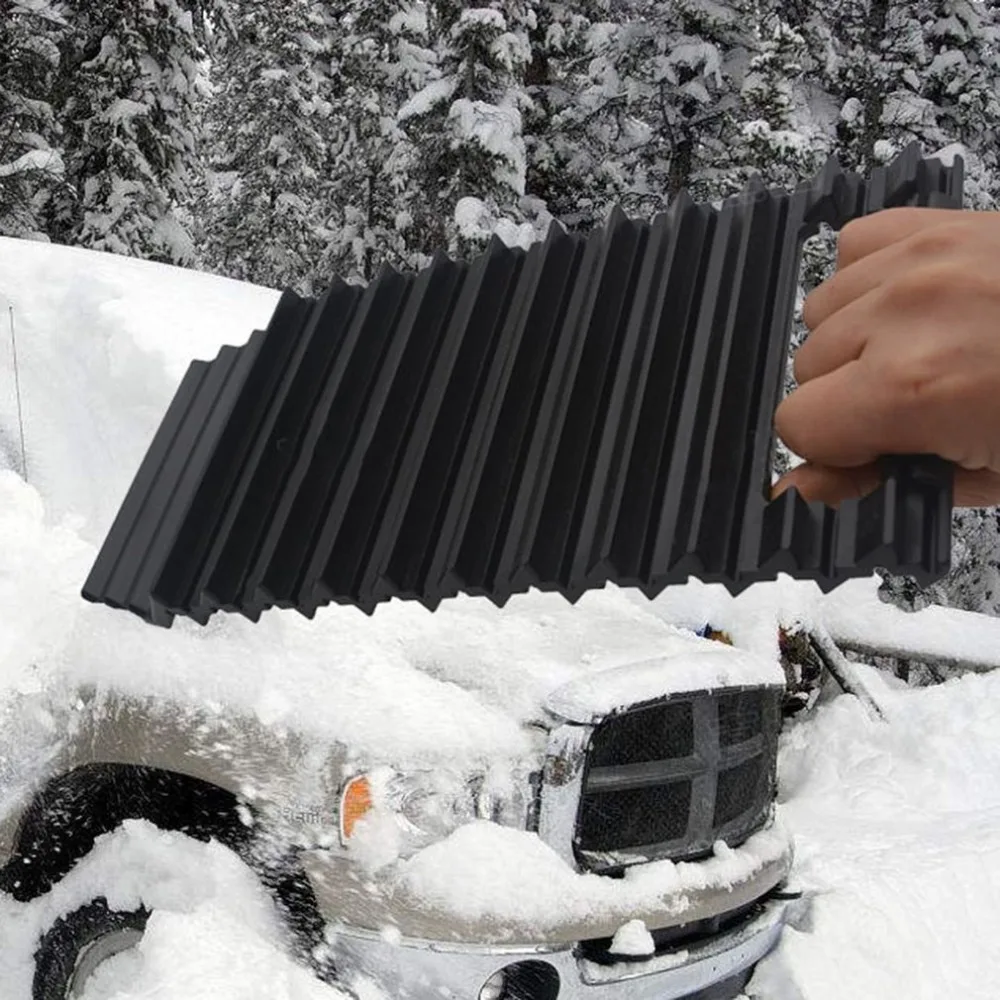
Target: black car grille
(669,779)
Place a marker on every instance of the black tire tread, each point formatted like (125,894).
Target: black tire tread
(56,955)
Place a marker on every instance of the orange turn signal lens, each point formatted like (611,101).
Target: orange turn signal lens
(355,804)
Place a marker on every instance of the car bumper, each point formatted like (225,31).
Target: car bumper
(408,969)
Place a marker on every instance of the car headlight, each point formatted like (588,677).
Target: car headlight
(413,809)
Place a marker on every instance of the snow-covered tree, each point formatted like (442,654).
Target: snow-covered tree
(269,216)
(961,80)
(30,163)
(560,162)
(770,138)
(380,59)
(892,72)
(129,78)
(659,105)
(897,71)
(703,60)
(467,124)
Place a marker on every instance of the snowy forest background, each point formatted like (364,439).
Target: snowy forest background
(287,141)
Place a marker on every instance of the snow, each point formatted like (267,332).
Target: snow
(484,18)
(427,99)
(852,110)
(497,129)
(884,150)
(475,220)
(897,848)
(687,665)
(948,153)
(124,109)
(412,21)
(633,938)
(783,140)
(34,159)
(103,341)
(907,110)
(697,55)
(522,883)
(854,615)
(897,824)
(42,8)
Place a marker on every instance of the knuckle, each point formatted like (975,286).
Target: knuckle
(918,376)
(974,278)
(937,288)
(938,241)
(860,235)
(924,287)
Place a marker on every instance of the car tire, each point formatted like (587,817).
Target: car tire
(78,943)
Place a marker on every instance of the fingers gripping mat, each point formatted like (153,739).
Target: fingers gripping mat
(597,408)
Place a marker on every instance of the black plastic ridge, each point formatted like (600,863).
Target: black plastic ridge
(597,408)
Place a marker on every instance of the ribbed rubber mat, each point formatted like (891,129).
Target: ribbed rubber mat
(597,408)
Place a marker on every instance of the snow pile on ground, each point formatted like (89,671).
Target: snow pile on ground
(897,824)
(897,830)
(212,934)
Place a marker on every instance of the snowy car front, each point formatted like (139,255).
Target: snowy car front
(640,853)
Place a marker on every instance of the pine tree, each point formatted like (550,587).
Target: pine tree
(770,138)
(467,125)
(560,164)
(961,80)
(704,52)
(905,70)
(268,211)
(127,88)
(659,107)
(31,166)
(380,58)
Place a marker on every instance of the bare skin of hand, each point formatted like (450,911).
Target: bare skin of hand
(903,357)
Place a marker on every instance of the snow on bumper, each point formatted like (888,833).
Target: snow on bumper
(488,886)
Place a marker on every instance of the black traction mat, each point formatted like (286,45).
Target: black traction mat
(597,408)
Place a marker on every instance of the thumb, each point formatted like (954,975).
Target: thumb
(819,483)
(976,487)
(827,485)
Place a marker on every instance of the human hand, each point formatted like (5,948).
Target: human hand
(903,357)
